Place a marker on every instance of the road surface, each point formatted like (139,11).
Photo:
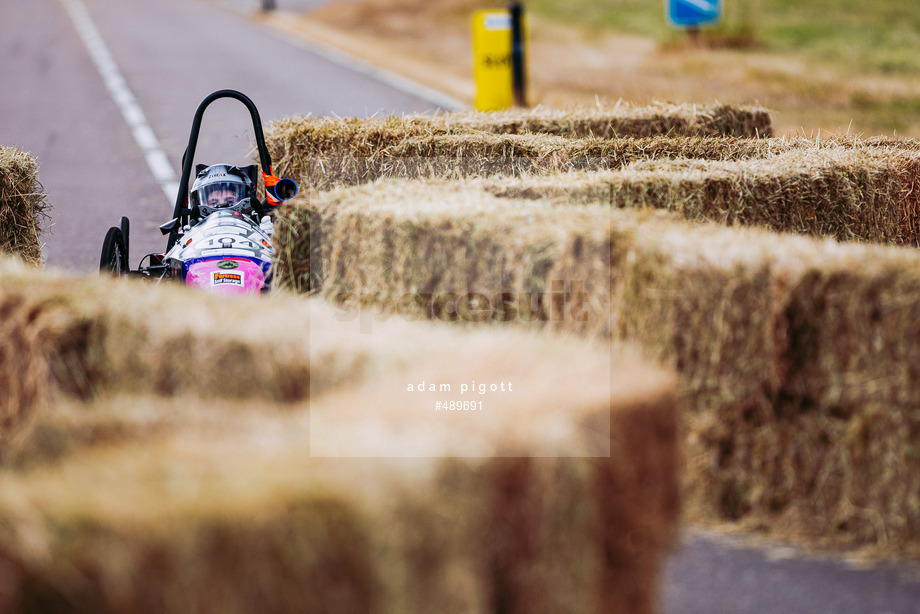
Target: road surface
(88,109)
(713,574)
(170,54)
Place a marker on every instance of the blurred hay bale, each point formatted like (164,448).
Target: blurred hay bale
(795,354)
(853,325)
(76,339)
(32,333)
(621,120)
(217,504)
(796,357)
(23,210)
(855,192)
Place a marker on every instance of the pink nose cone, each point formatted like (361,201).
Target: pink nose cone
(227,276)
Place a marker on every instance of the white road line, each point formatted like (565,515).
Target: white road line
(157,160)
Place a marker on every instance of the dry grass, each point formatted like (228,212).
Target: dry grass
(205,501)
(784,343)
(23,210)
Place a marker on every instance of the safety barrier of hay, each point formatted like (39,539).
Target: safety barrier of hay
(798,356)
(621,120)
(420,243)
(202,501)
(854,192)
(325,153)
(86,340)
(22,205)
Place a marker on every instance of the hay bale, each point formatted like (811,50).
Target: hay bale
(58,337)
(802,412)
(580,270)
(99,335)
(203,503)
(620,121)
(325,153)
(850,193)
(235,520)
(853,324)
(790,349)
(23,210)
(425,250)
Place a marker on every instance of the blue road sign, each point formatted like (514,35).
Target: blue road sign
(693,13)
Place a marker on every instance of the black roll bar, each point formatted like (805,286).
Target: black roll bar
(181,212)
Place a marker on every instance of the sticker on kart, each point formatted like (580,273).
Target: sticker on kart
(225,278)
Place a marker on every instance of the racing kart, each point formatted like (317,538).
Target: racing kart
(224,247)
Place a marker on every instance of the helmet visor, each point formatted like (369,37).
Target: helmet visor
(221,194)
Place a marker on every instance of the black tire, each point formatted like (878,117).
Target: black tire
(114,259)
(125,226)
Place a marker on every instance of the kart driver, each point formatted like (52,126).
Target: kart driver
(223,186)
(222,197)
(220,186)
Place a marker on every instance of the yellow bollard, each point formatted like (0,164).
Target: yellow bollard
(492,60)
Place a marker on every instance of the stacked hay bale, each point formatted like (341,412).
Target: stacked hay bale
(22,205)
(325,153)
(806,349)
(419,248)
(164,485)
(772,334)
(622,120)
(853,192)
(842,187)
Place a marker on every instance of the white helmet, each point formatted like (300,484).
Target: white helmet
(220,186)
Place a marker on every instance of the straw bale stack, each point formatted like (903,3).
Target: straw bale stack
(431,250)
(825,450)
(855,192)
(853,325)
(796,357)
(621,120)
(23,210)
(139,498)
(87,338)
(795,354)
(325,153)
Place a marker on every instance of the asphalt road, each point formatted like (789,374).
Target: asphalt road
(171,54)
(57,105)
(713,574)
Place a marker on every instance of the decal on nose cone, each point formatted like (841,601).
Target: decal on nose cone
(220,278)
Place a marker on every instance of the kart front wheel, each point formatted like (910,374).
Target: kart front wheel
(125,226)
(114,259)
